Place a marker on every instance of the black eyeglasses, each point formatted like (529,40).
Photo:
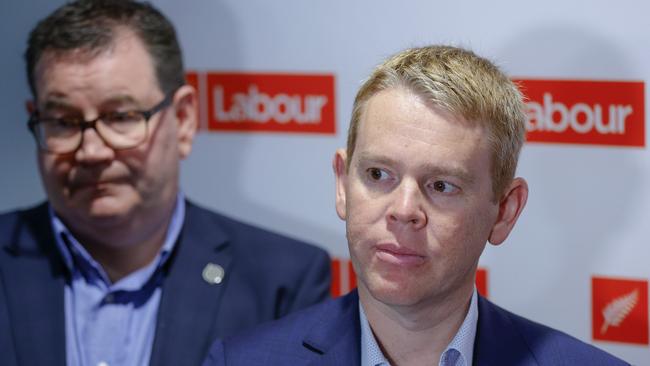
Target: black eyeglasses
(119,130)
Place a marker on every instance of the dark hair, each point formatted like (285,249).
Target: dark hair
(90,26)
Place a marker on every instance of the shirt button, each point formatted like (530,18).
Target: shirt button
(102,363)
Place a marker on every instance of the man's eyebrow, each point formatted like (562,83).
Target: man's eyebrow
(56,103)
(61,103)
(121,99)
(380,159)
(451,171)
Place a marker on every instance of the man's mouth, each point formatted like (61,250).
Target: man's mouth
(399,255)
(93,185)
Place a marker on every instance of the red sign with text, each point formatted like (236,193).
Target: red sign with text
(619,310)
(294,103)
(585,112)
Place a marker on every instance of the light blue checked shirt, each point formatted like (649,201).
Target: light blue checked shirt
(111,324)
(459,352)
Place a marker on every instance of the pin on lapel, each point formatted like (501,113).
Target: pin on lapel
(213,273)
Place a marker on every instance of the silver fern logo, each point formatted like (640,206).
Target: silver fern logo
(618,309)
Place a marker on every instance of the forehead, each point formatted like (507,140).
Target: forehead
(123,66)
(400,113)
(400,124)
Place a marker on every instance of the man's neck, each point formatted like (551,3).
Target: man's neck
(124,248)
(119,262)
(418,334)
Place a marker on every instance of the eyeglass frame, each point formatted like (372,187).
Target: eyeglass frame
(34,120)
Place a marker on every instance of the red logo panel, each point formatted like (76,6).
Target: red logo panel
(619,310)
(585,112)
(192,78)
(270,102)
(344,279)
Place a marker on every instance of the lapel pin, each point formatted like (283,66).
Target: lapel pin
(213,273)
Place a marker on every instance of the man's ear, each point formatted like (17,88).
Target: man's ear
(30,106)
(341,175)
(185,106)
(510,207)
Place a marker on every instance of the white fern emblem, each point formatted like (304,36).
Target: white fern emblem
(617,310)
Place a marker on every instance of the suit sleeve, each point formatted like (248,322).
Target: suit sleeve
(216,357)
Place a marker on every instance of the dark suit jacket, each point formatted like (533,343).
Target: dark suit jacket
(330,334)
(266,277)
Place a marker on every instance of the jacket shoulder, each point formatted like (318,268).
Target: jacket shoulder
(298,338)
(547,345)
(32,221)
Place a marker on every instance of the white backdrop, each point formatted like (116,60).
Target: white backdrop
(588,206)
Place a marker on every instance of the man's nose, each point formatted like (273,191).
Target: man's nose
(93,148)
(407,207)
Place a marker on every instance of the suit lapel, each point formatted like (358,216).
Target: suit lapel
(189,305)
(336,338)
(497,340)
(34,278)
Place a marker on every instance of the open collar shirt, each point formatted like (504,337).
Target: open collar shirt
(459,352)
(107,323)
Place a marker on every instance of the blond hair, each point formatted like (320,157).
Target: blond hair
(463,84)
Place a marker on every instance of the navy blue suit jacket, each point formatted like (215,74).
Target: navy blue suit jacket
(330,334)
(266,277)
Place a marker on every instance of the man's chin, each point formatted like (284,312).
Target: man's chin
(103,211)
(395,293)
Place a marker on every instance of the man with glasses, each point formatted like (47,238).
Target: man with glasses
(117,268)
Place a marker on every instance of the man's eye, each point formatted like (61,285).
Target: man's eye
(443,187)
(66,122)
(377,174)
(122,117)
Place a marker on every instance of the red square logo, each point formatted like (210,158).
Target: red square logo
(619,310)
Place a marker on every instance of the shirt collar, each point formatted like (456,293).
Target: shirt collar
(371,354)
(77,258)
(459,351)
(463,341)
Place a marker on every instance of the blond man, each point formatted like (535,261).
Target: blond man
(427,179)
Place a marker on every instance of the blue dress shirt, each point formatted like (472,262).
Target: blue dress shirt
(459,352)
(111,324)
